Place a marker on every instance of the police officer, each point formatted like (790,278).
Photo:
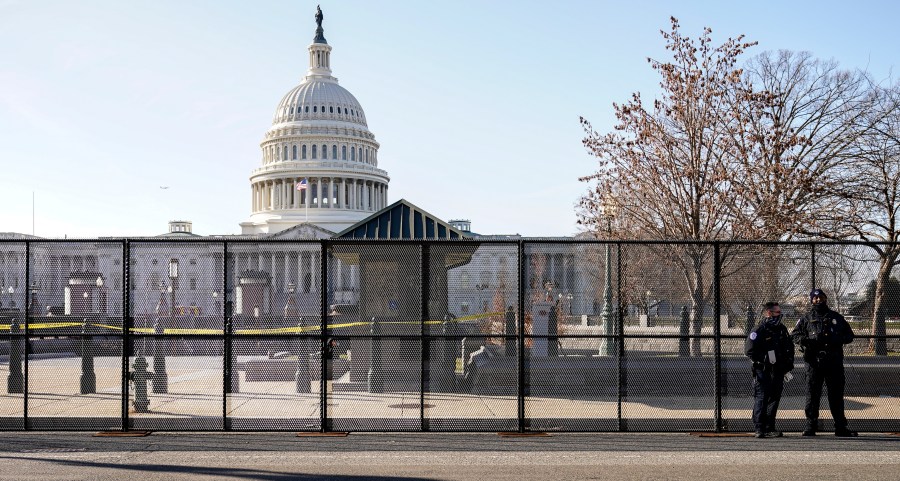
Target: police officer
(770,349)
(821,335)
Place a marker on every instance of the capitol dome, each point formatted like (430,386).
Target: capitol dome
(319,159)
(319,100)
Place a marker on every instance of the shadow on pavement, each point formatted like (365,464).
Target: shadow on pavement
(218,473)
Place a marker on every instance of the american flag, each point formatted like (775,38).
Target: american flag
(301,185)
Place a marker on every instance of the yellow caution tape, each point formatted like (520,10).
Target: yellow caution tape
(280,330)
(44,325)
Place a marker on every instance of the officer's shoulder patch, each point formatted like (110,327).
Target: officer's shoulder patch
(753,336)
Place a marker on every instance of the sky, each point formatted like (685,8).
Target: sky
(475,104)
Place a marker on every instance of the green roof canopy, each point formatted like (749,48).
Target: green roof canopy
(398,221)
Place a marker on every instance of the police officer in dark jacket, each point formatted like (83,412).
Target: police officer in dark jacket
(821,335)
(770,349)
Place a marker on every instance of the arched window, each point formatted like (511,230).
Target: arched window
(284,156)
(330,110)
(306,109)
(303,152)
(352,153)
(294,152)
(323,109)
(334,151)
(314,151)
(314,108)
(367,155)
(343,152)
(324,151)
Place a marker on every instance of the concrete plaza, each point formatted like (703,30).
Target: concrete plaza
(195,401)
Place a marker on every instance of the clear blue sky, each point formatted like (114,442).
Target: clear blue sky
(475,104)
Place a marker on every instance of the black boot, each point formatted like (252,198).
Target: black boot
(845,433)
(810,428)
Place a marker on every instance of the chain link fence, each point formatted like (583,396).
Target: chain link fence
(515,335)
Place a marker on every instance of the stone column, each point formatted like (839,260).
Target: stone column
(287,271)
(339,279)
(329,193)
(314,267)
(276,193)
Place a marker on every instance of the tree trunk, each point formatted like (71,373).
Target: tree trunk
(879,345)
(696,308)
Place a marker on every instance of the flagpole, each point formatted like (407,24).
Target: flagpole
(303,186)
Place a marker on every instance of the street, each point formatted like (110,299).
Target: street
(440,456)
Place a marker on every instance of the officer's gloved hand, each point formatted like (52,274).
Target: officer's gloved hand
(758,365)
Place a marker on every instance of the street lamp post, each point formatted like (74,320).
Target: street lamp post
(216,306)
(101,308)
(290,307)
(548,291)
(101,296)
(32,300)
(173,285)
(256,325)
(608,347)
(160,376)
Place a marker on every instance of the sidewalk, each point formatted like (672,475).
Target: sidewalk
(445,456)
(195,392)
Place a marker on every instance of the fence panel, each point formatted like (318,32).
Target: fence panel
(560,335)
(571,364)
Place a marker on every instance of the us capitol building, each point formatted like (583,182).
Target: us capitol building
(319,179)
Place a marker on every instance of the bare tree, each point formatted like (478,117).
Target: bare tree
(667,164)
(797,145)
(875,195)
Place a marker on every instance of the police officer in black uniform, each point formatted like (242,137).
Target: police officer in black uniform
(821,335)
(770,349)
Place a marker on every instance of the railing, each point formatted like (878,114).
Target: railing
(446,335)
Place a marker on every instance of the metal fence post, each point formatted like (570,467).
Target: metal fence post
(88,377)
(424,343)
(127,325)
(717,332)
(325,423)
(520,358)
(15,382)
(27,346)
(621,365)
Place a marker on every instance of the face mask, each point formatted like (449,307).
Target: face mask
(774,319)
